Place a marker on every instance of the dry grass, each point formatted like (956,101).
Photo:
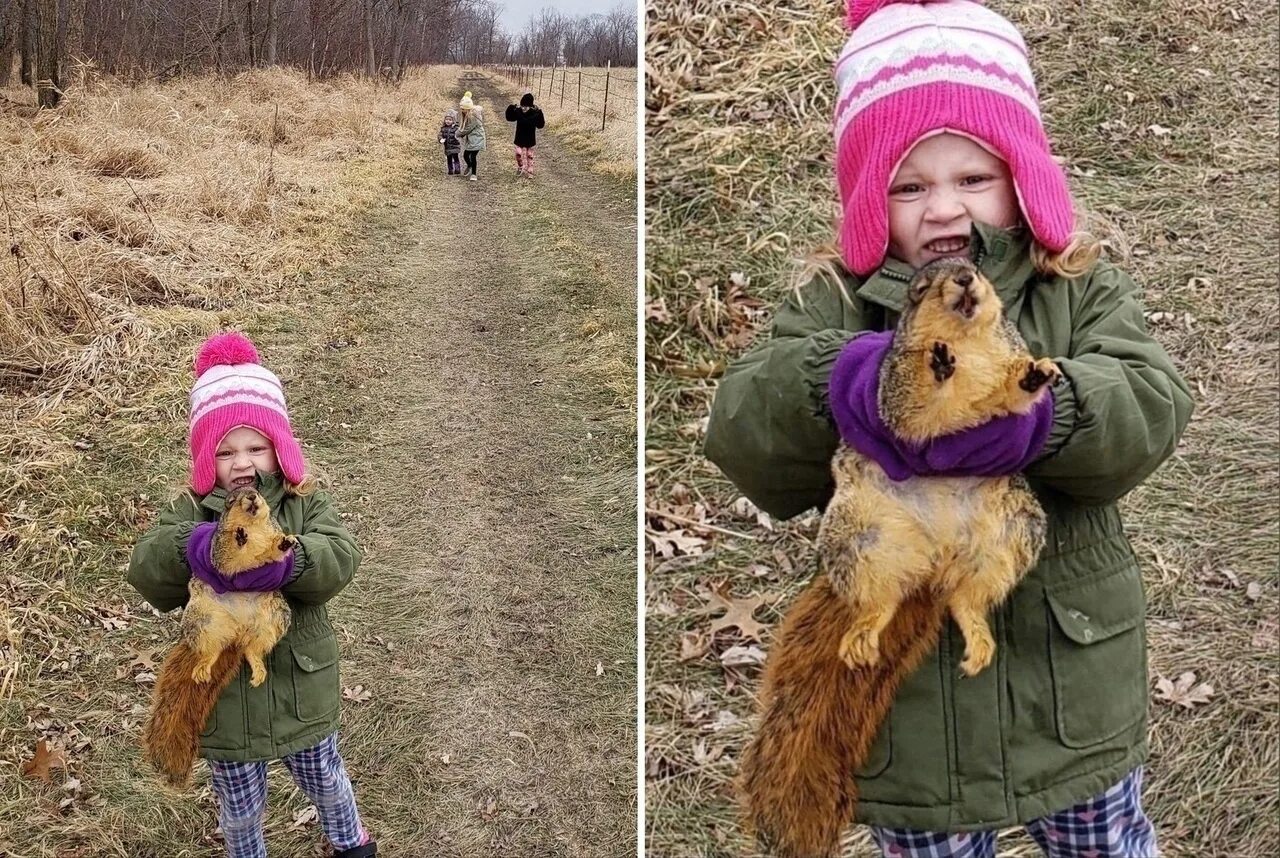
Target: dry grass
(144,218)
(611,148)
(739,179)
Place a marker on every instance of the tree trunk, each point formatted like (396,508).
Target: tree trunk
(27,71)
(75,30)
(249,31)
(371,67)
(9,22)
(273,31)
(48,86)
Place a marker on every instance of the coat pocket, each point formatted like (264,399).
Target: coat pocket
(1098,656)
(225,729)
(315,678)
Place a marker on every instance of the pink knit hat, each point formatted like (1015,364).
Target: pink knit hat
(232,389)
(913,69)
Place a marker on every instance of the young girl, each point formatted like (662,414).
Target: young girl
(449,139)
(941,152)
(240,436)
(528,119)
(471,133)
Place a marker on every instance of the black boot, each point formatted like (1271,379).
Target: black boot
(368,850)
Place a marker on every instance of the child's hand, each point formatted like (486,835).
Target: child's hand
(271,576)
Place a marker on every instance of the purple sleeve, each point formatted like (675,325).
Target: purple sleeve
(271,576)
(1005,445)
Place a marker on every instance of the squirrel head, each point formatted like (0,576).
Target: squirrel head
(952,288)
(246,504)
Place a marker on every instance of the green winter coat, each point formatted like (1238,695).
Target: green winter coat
(298,705)
(471,132)
(1061,713)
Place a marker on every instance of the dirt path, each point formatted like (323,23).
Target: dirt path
(483,439)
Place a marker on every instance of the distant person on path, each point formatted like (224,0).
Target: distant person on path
(528,120)
(471,133)
(452,145)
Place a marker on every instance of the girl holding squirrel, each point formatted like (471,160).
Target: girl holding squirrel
(941,152)
(471,133)
(240,436)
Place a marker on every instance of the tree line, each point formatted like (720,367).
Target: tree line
(40,39)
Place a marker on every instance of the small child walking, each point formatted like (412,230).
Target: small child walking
(452,145)
(240,436)
(528,119)
(471,133)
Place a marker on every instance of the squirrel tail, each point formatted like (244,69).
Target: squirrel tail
(180,708)
(818,719)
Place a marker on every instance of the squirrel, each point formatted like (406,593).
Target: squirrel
(217,632)
(897,558)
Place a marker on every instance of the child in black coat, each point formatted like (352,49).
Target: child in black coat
(528,120)
(452,145)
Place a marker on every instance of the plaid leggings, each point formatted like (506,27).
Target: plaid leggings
(318,770)
(524,159)
(1111,825)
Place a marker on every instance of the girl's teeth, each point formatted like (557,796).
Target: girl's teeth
(947,245)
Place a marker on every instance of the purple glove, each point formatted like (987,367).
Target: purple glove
(1005,445)
(271,576)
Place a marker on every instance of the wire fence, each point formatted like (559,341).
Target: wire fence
(608,92)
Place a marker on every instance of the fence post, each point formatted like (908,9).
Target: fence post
(604,111)
(579,110)
(540,70)
(563,74)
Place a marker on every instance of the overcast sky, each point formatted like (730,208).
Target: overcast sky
(517,13)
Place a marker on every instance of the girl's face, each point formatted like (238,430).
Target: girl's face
(945,183)
(241,454)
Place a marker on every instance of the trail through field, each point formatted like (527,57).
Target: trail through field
(494,619)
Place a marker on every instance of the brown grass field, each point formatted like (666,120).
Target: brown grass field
(1166,117)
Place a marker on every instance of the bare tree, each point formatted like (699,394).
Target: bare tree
(48,88)
(273,32)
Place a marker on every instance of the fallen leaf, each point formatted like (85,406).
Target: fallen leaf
(144,659)
(146,677)
(693,645)
(668,543)
(599,668)
(656,311)
(742,656)
(45,759)
(357,694)
(1183,691)
(738,613)
(1159,130)
(306,816)
(1267,634)
(444,758)
(1254,591)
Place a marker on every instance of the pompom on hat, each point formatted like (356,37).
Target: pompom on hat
(910,70)
(466,103)
(233,389)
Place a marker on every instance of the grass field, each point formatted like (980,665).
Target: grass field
(1166,117)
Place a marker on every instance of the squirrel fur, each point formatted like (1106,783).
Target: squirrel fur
(898,558)
(217,632)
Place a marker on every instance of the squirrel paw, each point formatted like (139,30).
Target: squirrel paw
(1038,374)
(977,656)
(258,674)
(859,648)
(287,542)
(202,672)
(943,363)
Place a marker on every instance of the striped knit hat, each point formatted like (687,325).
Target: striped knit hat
(233,389)
(914,69)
